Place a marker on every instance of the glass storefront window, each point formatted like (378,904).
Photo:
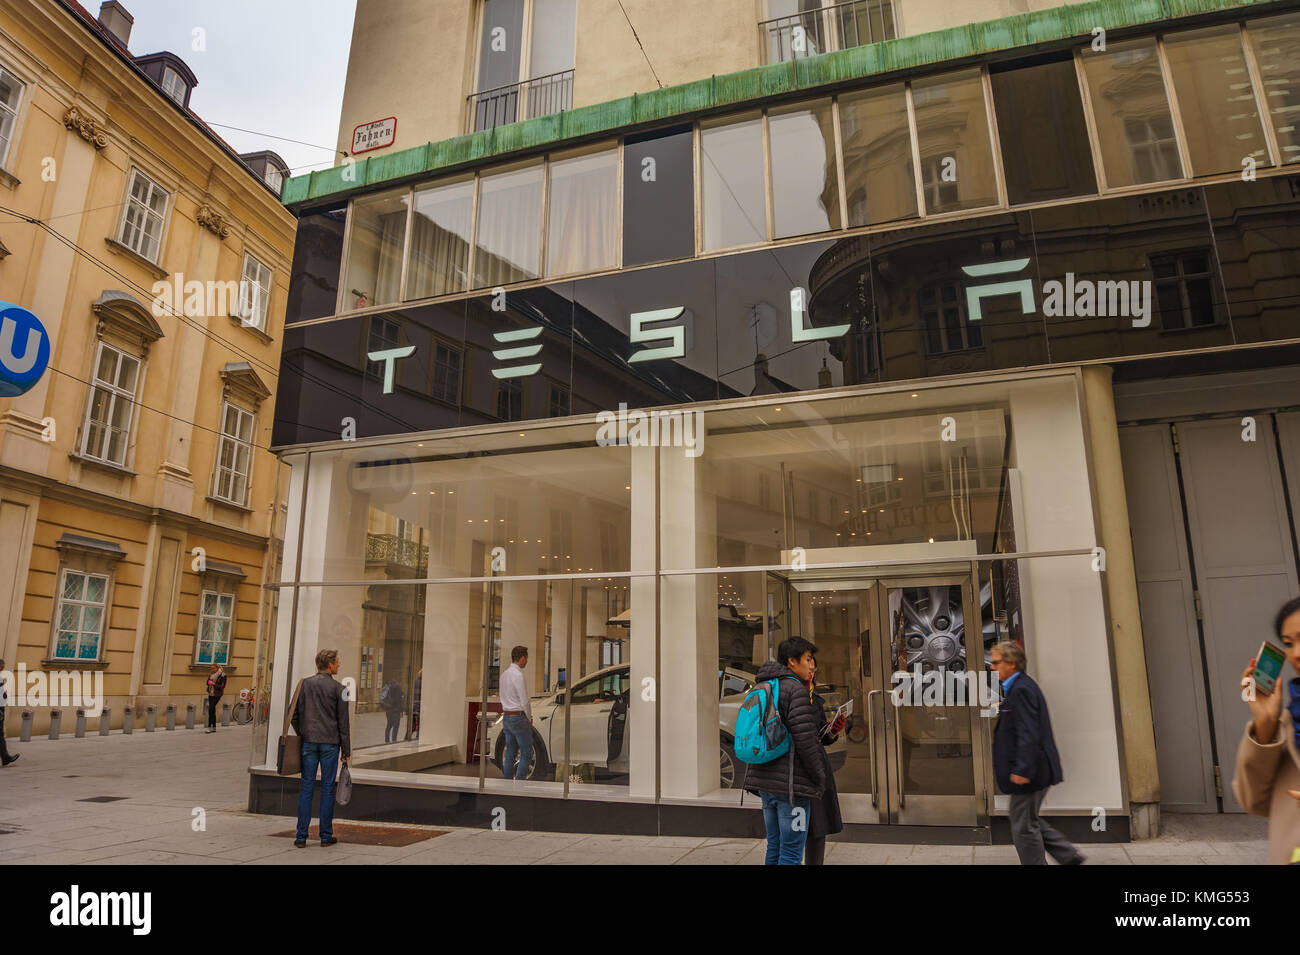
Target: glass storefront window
(878,171)
(374,268)
(659,196)
(952,128)
(440,234)
(1212,83)
(1276,43)
(733,195)
(1131,111)
(1042,131)
(582,214)
(508,240)
(805,178)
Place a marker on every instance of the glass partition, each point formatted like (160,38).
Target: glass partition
(1130,109)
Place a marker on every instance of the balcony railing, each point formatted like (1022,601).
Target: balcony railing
(540,96)
(826,29)
(391,549)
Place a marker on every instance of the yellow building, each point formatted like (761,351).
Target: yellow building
(137,500)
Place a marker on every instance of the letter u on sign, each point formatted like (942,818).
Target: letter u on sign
(24,350)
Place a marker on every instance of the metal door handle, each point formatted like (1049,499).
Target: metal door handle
(898,744)
(871,743)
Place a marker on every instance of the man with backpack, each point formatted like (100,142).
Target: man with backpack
(783,749)
(393,701)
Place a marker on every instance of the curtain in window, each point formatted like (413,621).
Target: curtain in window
(508,244)
(582,235)
(440,241)
(389,272)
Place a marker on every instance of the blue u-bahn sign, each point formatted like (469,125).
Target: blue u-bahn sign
(24,350)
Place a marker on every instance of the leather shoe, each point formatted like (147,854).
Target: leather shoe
(300,843)
(330,841)
(13,759)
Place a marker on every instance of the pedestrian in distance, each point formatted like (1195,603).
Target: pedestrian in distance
(5,757)
(789,784)
(517,717)
(393,700)
(824,813)
(413,724)
(216,689)
(1267,778)
(321,719)
(1025,761)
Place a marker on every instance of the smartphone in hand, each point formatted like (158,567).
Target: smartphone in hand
(1268,666)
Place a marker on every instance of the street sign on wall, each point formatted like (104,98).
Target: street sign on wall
(376,135)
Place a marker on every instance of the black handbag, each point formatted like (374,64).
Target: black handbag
(288,761)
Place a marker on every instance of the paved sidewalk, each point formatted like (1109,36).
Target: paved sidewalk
(161,778)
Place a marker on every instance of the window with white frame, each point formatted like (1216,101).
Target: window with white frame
(234,455)
(11,94)
(80,615)
(274,178)
(173,85)
(143,215)
(254,293)
(106,434)
(216,624)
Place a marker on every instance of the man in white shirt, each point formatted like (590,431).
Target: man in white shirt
(518,722)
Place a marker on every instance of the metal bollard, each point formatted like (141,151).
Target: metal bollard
(25,736)
(128,719)
(189,716)
(56,717)
(105,721)
(81,723)
(225,714)
(150,717)
(171,717)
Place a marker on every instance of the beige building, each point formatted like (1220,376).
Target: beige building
(136,494)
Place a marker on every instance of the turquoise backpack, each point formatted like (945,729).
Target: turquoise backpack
(760,735)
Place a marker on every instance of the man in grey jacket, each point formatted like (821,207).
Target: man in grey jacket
(321,719)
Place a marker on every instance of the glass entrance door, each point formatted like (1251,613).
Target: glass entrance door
(914,751)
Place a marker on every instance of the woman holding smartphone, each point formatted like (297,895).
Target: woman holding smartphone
(1267,780)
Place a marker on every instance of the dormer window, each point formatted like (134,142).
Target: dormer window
(274,178)
(173,85)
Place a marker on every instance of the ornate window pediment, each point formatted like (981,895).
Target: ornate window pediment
(243,385)
(127,318)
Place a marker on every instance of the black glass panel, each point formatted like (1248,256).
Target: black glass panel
(658,197)
(1045,151)
(317,252)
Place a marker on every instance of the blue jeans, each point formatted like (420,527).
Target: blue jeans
(519,738)
(394,724)
(326,756)
(787,829)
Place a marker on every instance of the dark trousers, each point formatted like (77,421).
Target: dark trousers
(394,723)
(213,702)
(1032,835)
(4,749)
(814,851)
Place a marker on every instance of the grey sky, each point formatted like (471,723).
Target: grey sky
(273,66)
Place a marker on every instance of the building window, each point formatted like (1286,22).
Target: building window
(940,193)
(1276,42)
(254,293)
(559,401)
(546,59)
(143,216)
(799,28)
(805,177)
(659,209)
(82,604)
(1184,287)
(384,333)
(107,431)
(446,373)
(173,85)
(952,130)
(216,622)
(234,455)
(508,241)
(510,400)
(11,93)
(1131,111)
(943,316)
(582,214)
(733,194)
(374,258)
(438,259)
(274,178)
(877,137)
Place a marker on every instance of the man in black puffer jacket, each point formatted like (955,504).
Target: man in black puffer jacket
(788,784)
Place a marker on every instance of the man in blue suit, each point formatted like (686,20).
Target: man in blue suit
(1025,761)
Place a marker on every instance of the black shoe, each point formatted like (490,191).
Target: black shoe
(300,843)
(329,842)
(13,759)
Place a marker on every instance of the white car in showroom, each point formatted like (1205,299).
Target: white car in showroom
(598,724)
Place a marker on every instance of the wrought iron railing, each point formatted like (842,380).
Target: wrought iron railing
(826,29)
(391,549)
(539,96)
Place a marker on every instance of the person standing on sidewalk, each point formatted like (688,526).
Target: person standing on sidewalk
(1267,778)
(518,716)
(789,784)
(216,689)
(1025,761)
(321,719)
(393,700)
(5,758)
(824,815)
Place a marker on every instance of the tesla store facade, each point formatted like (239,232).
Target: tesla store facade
(868,363)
